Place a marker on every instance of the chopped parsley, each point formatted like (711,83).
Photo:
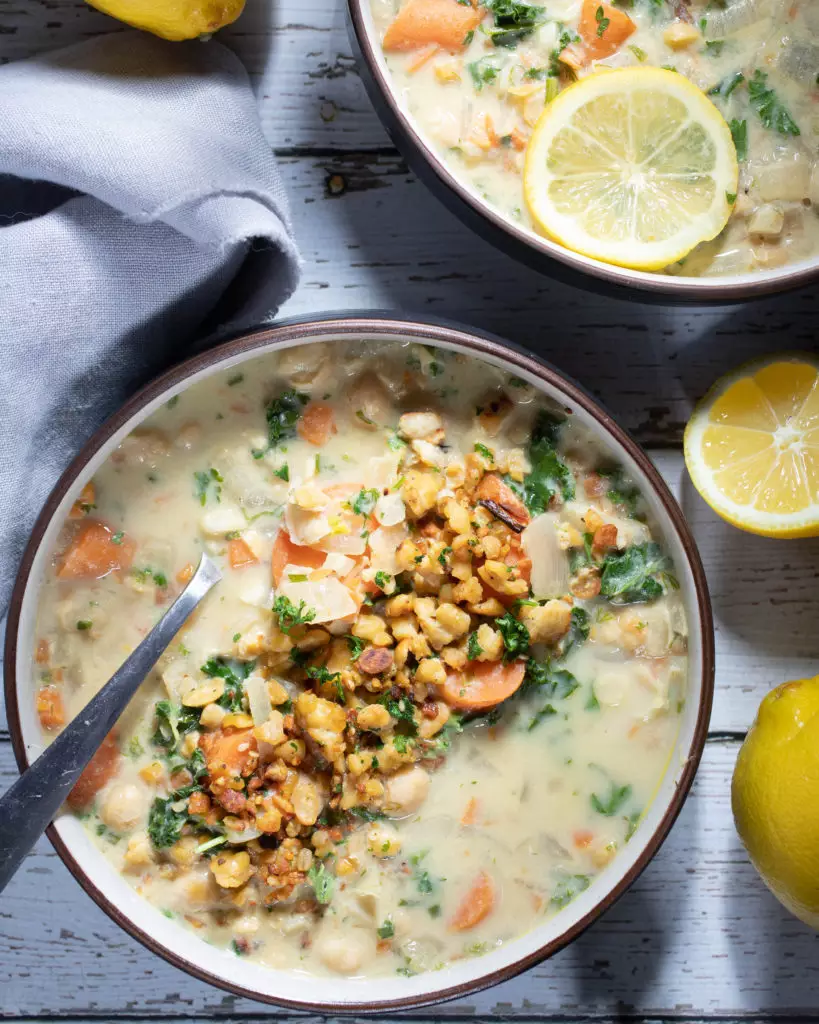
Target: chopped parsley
(283,473)
(514,20)
(739,133)
(356,646)
(602,21)
(473,648)
(569,887)
(724,88)
(364,501)
(289,615)
(387,929)
(482,450)
(234,673)
(208,485)
(549,474)
(483,72)
(579,629)
(772,112)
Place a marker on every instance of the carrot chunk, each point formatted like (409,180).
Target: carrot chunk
(493,489)
(240,554)
(83,505)
(483,684)
(95,553)
(185,574)
(421,22)
(228,752)
(603,29)
(101,768)
(50,708)
(285,553)
(470,812)
(42,654)
(476,905)
(317,424)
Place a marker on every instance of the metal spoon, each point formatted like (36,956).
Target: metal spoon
(27,808)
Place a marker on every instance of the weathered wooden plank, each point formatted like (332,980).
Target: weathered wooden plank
(766,604)
(697,935)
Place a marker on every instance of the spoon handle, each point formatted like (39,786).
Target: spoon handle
(33,800)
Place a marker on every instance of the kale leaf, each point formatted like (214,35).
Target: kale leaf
(514,20)
(631,576)
(569,887)
(579,629)
(164,823)
(234,673)
(612,801)
(515,635)
(322,881)
(282,415)
(549,475)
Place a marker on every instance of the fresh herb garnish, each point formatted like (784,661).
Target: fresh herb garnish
(602,21)
(483,72)
(579,629)
(364,501)
(473,648)
(739,133)
(356,646)
(772,112)
(724,88)
(208,485)
(569,887)
(387,929)
(289,615)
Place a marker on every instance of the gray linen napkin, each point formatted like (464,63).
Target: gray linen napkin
(140,207)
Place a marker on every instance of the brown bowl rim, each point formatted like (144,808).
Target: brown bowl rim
(540,253)
(432,331)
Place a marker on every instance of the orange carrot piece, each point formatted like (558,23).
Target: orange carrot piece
(470,812)
(94,553)
(240,554)
(43,652)
(603,29)
(83,505)
(101,768)
(285,553)
(228,752)
(185,574)
(50,709)
(421,22)
(421,57)
(476,905)
(583,838)
(317,424)
(492,488)
(483,684)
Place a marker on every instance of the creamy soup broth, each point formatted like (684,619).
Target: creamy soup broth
(465,697)
(477,106)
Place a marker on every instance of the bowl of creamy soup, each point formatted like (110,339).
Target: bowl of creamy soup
(461,86)
(444,704)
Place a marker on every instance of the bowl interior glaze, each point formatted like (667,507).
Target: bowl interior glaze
(333,995)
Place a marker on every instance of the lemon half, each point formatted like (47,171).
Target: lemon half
(752,447)
(173,19)
(634,167)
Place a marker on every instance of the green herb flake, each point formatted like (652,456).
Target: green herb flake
(610,803)
(772,112)
(322,881)
(515,635)
(602,21)
(739,133)
(387,929)
(473,648)
(282,414)
(84,624)
(289,615)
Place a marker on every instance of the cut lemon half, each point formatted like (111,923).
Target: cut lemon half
(752,448)
(634,167)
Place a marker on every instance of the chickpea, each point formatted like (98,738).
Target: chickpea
(405,792)
(123,807)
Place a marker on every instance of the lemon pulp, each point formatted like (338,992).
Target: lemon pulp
(752,448)
(634,167)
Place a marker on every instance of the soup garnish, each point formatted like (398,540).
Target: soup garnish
(434,692)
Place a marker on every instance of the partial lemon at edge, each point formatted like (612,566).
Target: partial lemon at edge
(752,447)
(775,793)
(634,166)
(173,19)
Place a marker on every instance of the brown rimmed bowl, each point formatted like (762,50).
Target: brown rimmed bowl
(334,995)
(526,245)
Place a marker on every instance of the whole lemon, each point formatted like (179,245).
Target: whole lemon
(173,19)
(775,796)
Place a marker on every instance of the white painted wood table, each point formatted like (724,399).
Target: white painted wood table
(697,937)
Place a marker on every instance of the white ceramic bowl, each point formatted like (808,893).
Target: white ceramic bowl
(333,995)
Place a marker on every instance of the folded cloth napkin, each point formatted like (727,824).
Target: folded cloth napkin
(140,207)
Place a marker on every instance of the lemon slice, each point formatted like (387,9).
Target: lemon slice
(634,167)
(752,448)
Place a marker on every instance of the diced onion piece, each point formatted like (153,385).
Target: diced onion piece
(384,543)
(328,598)
(219,521)
(338,564)
(258,698)
(390,509)
(737,14)
(550,566)
(305,528)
